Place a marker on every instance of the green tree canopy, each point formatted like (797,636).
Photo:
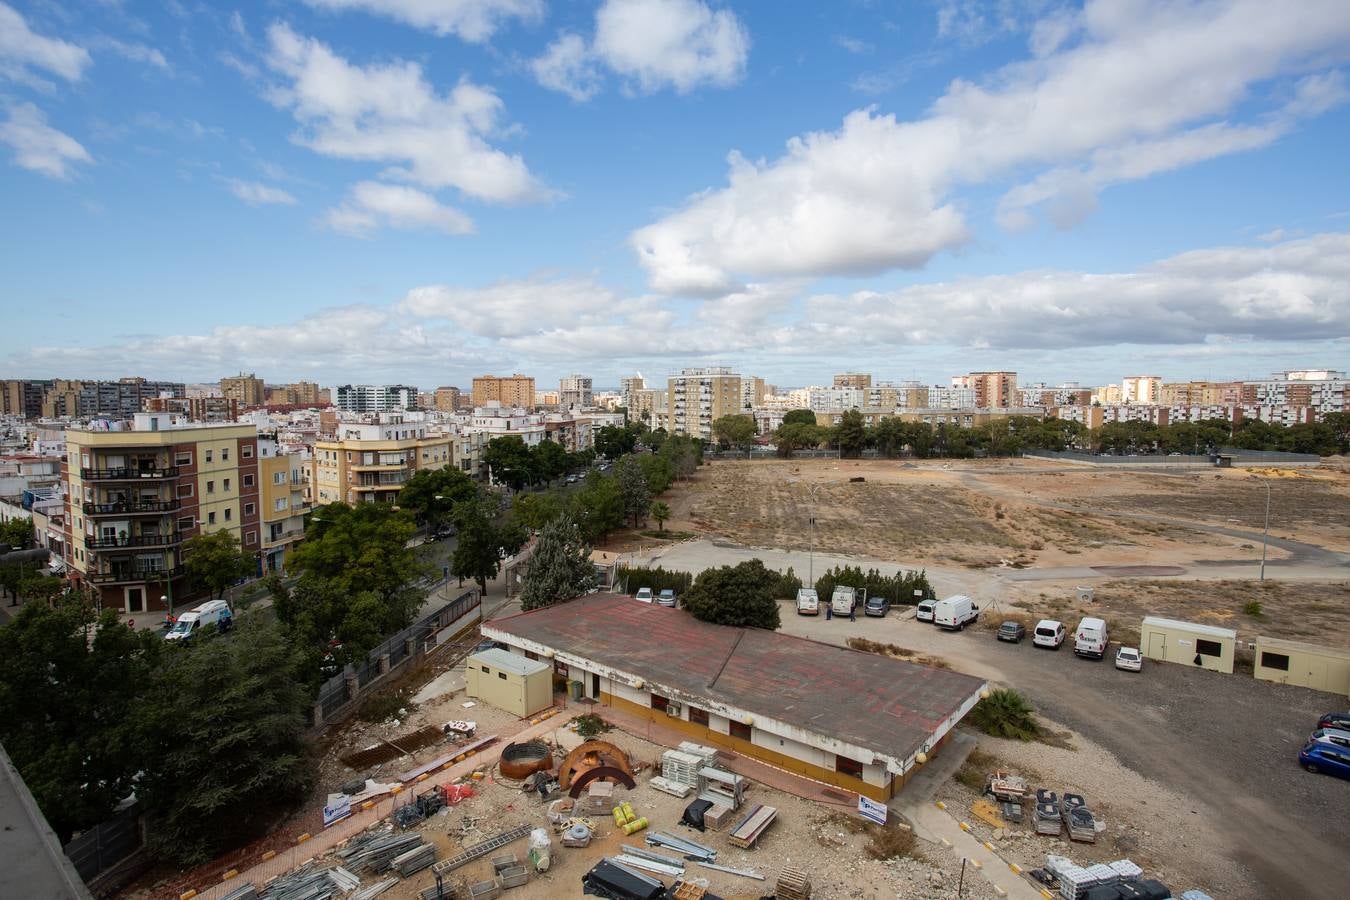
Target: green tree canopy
(534,510)
(431,494)
(851,434)
(215,561)
(799,417)
(509,461)
(793,436)
(660,512)
(478,548)
(599,507)
(735,430)
(611,441)
(560,568)
(550,461)
(741,595)
(633,489)
(16,534)
(363,548)
(658,470)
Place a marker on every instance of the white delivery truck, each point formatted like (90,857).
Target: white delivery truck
(1091,638)
(845,599)
(808,602)
(955,612)
(924,611)
(213,612)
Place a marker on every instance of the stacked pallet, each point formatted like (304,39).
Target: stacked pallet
(703,752)
(792,885)
(674,788)
(415,860)
(1074,881)
(1048,820)
(755,823)
(717,816)
(681,767)
(1126,869)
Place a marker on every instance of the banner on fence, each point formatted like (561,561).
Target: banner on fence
(339,807)
(872,810)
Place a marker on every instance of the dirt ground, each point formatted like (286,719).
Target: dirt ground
(1021,512)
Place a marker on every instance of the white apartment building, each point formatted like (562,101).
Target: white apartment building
(826,399)
(576,392)
(1325,390)
(940,397)
(1141,389)
(375,398)
(494,421)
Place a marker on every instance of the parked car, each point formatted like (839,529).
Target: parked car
(924,611)
(1012,632)
(573,478)
(489,644)
(644,595)
(955,612)
(1091,638)
(844,600)
(444,531)
(1048,633)
(1129,659)
(1330,736)
(1327,758)
(666,598)
(808,602)
(877,606)
(1335,720)
(212,612)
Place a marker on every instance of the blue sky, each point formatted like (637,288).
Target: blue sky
(424,190)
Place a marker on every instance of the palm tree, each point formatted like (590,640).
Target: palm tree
(660,512)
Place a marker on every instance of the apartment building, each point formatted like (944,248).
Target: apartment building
(968,417)
(514,391)
(884,394)
(302,393)
(649,406)
(447,399)
(1108,395)
(992,389)
(913,395)
(1142,389)
(20,397)
(370,462)
(573,433)
(940,397)
(1200,393)
(860,380)
(1325,390)
(1059,395)
(753,391)
(701,396)
(197,409)
(246,390)
(284,476)
(134,496)
(495,420)
(575,392)
(376,398)
(824,399)
(121,399)
(626,388)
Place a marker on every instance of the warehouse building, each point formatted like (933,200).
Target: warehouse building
(859,721)
(1305,665)
(1188,643)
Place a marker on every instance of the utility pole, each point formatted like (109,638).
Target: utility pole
(1265,534)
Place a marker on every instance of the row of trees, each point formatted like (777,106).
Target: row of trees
(902,588)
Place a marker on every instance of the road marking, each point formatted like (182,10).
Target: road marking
(976,863)
(946,843)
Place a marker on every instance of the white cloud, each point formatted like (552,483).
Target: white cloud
(1143,89)
(142,53)
(471,20)
(255,193)
(373,204)
(390,113)
(21,51)
(39,147)
(652,45)
(516,307)
(852,44)
(1270,237)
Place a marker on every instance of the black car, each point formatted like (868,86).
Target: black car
(489,644)
(1339,720)
(1013,632)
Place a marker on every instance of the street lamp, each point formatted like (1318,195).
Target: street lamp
(1265,531)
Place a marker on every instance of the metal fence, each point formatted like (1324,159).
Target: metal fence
(106,844)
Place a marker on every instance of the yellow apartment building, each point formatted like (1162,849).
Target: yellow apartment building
(367,463)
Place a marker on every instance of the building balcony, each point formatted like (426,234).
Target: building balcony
(154,540)
(133,575)
(129,507)
(127,473)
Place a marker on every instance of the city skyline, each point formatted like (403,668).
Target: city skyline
(380,191)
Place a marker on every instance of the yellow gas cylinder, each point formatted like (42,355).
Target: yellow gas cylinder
(635,826)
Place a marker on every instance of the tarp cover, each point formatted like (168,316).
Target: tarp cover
(615,883)
(693,813)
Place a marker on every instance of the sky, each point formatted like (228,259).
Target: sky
(420,191)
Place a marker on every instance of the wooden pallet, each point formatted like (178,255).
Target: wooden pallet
(792,885)
(717,816)
(756,821)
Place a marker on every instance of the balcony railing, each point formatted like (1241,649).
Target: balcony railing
(141,540)
(124,507)
(127,473)
(132,575)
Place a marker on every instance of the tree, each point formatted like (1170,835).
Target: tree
(633,489)
(221,729)
(793,436)
(599,507)
(1006,714)
(215,561)
(560,568)
(16,534)
(65,707)
(509,462)
(851,434)
(611,441)
(799,417)
(40,587)
(549,461)
(534,510)
(735,430)
(478,550)
(660,512)
(431,494)
(658,470)
(739,595)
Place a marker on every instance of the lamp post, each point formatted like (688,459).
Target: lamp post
(1265,531)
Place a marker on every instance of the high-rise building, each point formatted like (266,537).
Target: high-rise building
(575,392)
(370,463)
(302,393)
(860,380)
(1145,390)
(627,386)
(120,399)
(134,496)
(993,390)
(197,409)
(752,392)
(447,399)
(699,397)
(376,398)
(514,391)
(20,397)
(246,390)
(285,501)
(649,406)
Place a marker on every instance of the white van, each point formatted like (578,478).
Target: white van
(1048,633)
(955,612)
(845,599)
(924,611)
(808,602)
(1091,638)
(213,612)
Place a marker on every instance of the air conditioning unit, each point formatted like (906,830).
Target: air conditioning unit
(674,709)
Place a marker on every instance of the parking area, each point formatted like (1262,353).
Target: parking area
(1226,742)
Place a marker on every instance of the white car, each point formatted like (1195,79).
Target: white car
(1129,659)
(1048,633)
(924,611)
(644,595)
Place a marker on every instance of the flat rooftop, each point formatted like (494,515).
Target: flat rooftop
(871,701)
(1192,627)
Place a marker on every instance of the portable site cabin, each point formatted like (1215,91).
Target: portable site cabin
(509,681)
(1305,665)
(1188,643)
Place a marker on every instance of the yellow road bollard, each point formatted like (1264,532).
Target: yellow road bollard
(964,826)
(304,837)
(269,854)
(187,895)
(988,846)
(1017,870)
(230,874)
(940,805)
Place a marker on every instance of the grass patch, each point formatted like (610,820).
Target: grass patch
(884,841)
(1253,608)
(590,725)
(668,535)
(895,652)
(974,772)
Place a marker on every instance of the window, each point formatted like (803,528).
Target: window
(248,481)
(186,523)
(182,459)
(227,484)
(278,477)
(740,730)
(248,509)
(1275,661)
(250,538)
(246,451)
(486,669)
(224,453)
(501,675)
(210,487)
(530,654)
(698,716)
(208,456)
(1208,648)
(846,766)
(210,518)
(185,489)
(660,703)
(280,504)
(229,514)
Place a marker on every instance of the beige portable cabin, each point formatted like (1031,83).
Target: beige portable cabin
(1305,665)
(1188,644)
(514,683)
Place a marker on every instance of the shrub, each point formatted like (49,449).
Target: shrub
(898,588)
(1006,714)
(657,579)
(590,725)
(1253,608)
